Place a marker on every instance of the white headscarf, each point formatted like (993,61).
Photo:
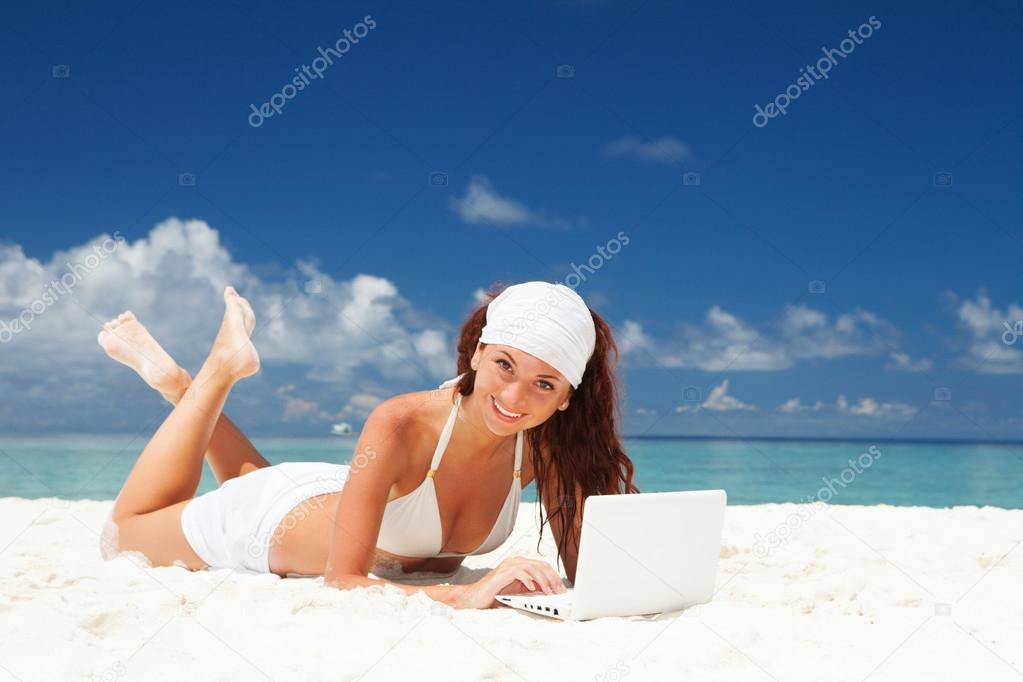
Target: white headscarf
(549,321)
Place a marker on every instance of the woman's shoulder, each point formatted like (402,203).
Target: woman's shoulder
(414,406)
(416,417)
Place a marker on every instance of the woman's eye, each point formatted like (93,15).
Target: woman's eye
(546,384)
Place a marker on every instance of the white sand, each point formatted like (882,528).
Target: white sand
(878,593)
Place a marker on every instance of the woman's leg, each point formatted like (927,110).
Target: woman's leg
(148,509)
(126,340)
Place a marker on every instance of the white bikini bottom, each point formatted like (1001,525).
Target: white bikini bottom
(233,526)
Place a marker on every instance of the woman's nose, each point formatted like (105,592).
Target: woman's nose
(511,398)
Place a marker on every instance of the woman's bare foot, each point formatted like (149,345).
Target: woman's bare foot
(125,339)
(232,349)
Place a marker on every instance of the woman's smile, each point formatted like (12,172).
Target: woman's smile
(503,414)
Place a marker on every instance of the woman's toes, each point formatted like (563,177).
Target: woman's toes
(248,316)
(246,307)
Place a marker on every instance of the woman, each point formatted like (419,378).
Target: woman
(534,360)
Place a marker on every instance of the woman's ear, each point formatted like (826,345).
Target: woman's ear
(565,403)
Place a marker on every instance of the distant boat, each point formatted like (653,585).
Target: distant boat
(342,429)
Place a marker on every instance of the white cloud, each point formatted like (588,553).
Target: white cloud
(724,342)
(903,362)
(795,406)
(173,280)
(868,407)
(718,400)
(359,406)
(667,149)
(434,351)
(482,205)
(295,408)
(986,327)
(631,338)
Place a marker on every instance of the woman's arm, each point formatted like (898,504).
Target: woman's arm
(378,462)
(452,595)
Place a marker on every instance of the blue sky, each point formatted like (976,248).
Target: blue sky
(894,181)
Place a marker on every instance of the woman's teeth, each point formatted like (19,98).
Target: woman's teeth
(504,412)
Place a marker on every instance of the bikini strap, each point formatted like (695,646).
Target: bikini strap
(445,436)
(518,454)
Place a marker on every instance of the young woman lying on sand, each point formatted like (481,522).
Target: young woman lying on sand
(534,360)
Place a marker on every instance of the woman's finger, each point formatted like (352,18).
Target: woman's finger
(538,574)
(541,578)
(552,578)
(542,575)
(527,580)
(559,584)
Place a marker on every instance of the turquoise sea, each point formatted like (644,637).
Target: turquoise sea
(930,474)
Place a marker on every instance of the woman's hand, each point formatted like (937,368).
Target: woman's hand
(514,575)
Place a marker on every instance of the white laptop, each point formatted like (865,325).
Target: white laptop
(639,553)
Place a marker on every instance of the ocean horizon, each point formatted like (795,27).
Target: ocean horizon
(752,470)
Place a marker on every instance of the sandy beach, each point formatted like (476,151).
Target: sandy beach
(828,592)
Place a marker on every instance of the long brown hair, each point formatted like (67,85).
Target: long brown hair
(582,441)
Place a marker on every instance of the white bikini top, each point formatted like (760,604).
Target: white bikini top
(411,523)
